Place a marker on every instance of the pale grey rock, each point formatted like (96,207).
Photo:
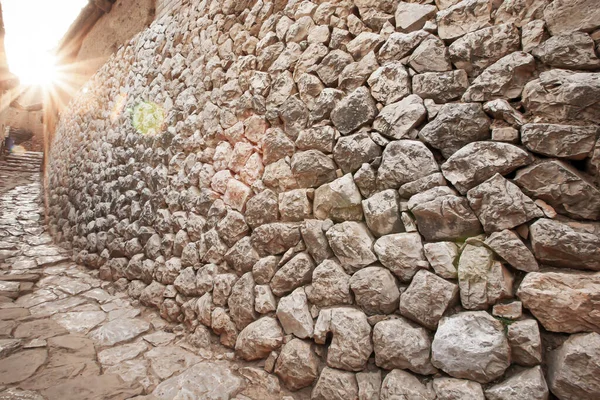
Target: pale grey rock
(334,384)
(482,280)
(525,342)
(295,273)
(401,253)
(399,384)
(560,95)
(506,78)
(264,301)
(463,17)
(275,238)
(441,87)
(527,384)
(533,34)
(352,244)
(511,248)
(397,120)
(313,234)
(222,287)
(477,50)
(445,217)
(353,111)
(297,365)
(259,338)
(574,368)
(332,65)
(439,294)
(330,285)
(405,161)
(421,185)
(241,301)
(294,316)
(369,384)
(352,151)
(351,345)
(562,141)
(262,209)
(441,257)
(499,204)
(455,126)
(294,205)
(476,162)
(389,83)
(457,389)
(375,290)
(312,168)
(562,301)
(501,109)
(320,138)
(118,331)
(363,44)
(356,74)
(242,255)
(488,354)
(520,12)
(276,145)
(566,244)
(568,16)
(399,343)
(399,45)
(563,187)
(412,16)
(430,56)
(569,50)
(382,213)
(366,180)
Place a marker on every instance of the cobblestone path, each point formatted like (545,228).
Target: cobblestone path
(65,334)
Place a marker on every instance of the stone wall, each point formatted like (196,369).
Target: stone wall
(382,199)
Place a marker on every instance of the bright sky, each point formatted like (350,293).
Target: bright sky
(33,30)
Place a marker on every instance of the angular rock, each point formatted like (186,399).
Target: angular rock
(560,95)
(353,111)
(533,34)
(571,50)
(389,83)
(421,185)
(401,253)
(511,248)
(241,301)
(295,273)
(264,301)
(566,244)
(573,368)
(441,87)
(455,126)
(352,151)
(562,301)
(382,213)
(400,384)
(405,161)
(351,344)
(568,16)
(294,316)
(330,285)
(334,384)
(476,162)
(339,200)
(399,45)
(312,168)
(525,342)
(441,257)
(527,384)
(332,65)
(499,204)
(457,389)
(562,141)
(463,17)
(430,56)
(297,365)
(440,295)
(295,205)
(477,50)
(275,238)
(399,343)
(258,339)
(563,187)
(375,290)
(352,244)
(313,234)
(397,120)
(411,16)
(501,109)
(488,354)
(369,385)
(262,209)
(506,78)
(520,12)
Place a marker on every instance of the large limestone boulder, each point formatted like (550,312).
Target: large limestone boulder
(463,17)
(457,389)
(427,298)
(499,204)
(352,151)
(525,342)
(313,234)
(405,161)
(397,120)
(562,301)
(561,95)
(511,248)
(521,12)
(382,213)
(375,290)
(559,184)
(334,384)
(399,384)
(330,285)
(479,161)
(399,343)
(571,50)
(574,368)
(456,125)
(561,141)
(488,354)
(294,315)
(352,243)
(354,110)
(339,200)
(401,253)
(441,87)
(293,274)
(568,16)
(297,365)
(389,83)
(527,384)
(351,345)
(566,244)
(258,339)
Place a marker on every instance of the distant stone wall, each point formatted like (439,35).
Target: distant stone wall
(367,194)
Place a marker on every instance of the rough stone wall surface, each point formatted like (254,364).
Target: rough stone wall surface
(164,7)
(383,199)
